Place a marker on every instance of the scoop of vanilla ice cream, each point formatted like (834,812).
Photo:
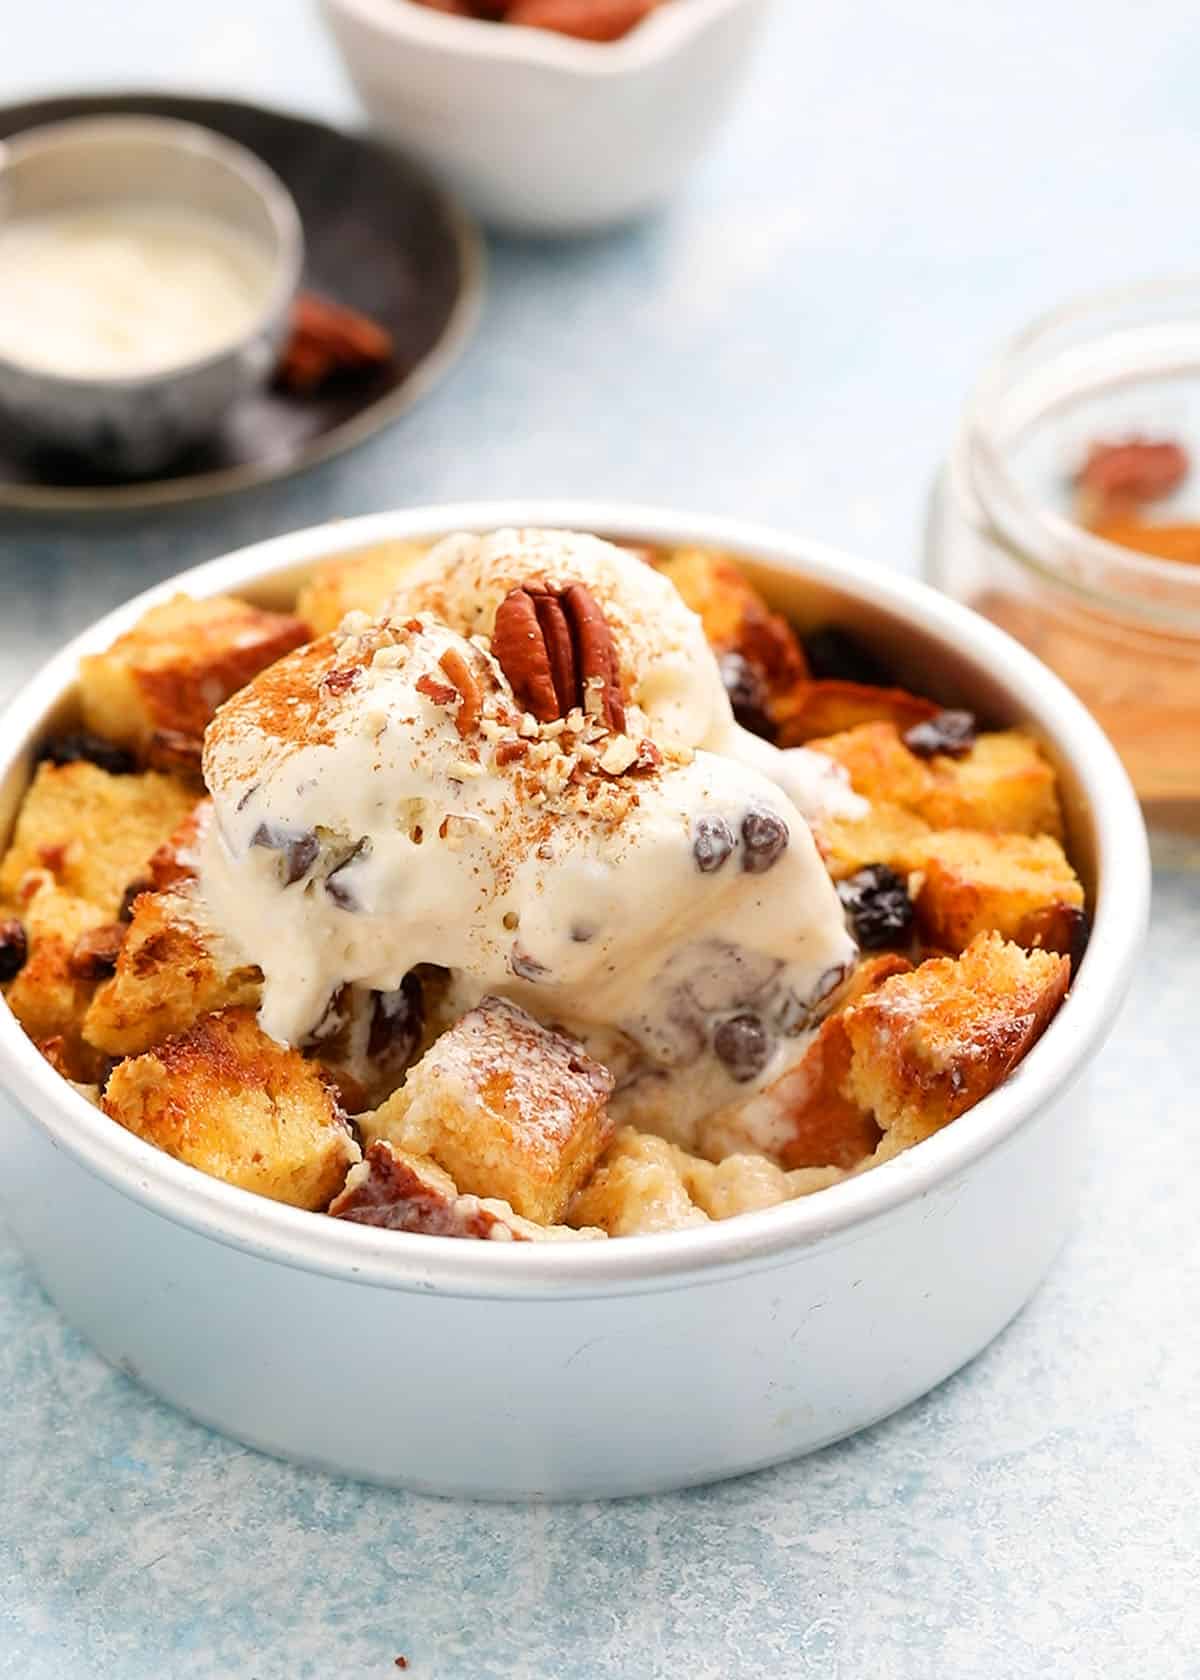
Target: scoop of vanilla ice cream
(670,675)
(381,802)
(672,685)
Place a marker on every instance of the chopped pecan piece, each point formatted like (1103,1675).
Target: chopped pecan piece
(557,651)
(464,680)
(442,694)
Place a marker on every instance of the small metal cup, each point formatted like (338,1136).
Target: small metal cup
(133,426)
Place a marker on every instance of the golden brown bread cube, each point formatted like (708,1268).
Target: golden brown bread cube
(830,706)
(94,832)
(1004,784)
(178,858)
(928,1045)
(358,582)
(637,1188)
(506,1107)
(879,765)
(884,833)
(177,664)
(973,882)
(400,1192)
(172,968)
(50,996)
(229,1100)
(736,619)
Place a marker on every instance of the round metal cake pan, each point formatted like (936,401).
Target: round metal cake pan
(647,1363)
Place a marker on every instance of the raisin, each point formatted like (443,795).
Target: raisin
(341,892)
(877,903)
(396,1021)
(744,1045)
(526,967)
(94,954)
(81,747)
(299,851)
(130,896)
(746,687)
(949,733)
(712,842)
(836,655)
(765,839)
(14,948)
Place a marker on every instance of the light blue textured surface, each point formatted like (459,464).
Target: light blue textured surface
(901,186)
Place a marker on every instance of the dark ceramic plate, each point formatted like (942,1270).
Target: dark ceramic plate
(378,237)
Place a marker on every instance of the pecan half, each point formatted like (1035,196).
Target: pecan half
(557,651)
(587,20)
(327,339)
(1134,471)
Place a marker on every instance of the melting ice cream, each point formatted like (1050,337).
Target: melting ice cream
(526,772)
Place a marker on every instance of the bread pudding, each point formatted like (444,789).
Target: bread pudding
(530,887)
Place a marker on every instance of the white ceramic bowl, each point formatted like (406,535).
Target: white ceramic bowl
(538,132)
(538,1371)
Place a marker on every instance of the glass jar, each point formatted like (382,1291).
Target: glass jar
(1120,627)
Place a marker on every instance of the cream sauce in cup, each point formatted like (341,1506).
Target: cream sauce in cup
(126,289)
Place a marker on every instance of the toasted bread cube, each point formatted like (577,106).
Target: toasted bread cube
(506,1107)
(1005,784)
(879,765)
(173,967)
(636,1188)
(359,582)
(178,858)
(736,619)
(972,882)
(885,833)
(229,1100)
(830,706)
(928,1045)
(50,996)
(401,1192)
(94,832)
(178,663)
